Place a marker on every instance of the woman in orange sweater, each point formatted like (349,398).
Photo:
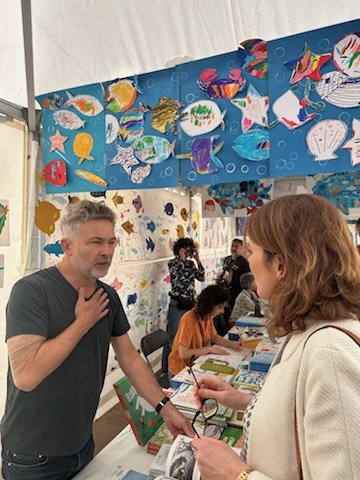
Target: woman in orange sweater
(196,334)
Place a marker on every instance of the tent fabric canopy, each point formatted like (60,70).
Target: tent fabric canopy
(78,42)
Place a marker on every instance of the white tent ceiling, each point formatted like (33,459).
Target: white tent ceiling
(78,42)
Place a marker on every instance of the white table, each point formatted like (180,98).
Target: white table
(122,450)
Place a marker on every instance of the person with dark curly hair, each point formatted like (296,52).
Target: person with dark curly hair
(196,334)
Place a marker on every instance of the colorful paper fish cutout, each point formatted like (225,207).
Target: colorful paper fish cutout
(203,155)
(165,114)
(307,66)
(53,101)
(54,249)
(254,108)
(346,55)
(91,177)
(152,149)
(291,111)
(137,202)
(124,157)
(121,94)
(184,214)
(46,214)
(221,87)
(68,120)
(151,226)
(82,146)
(88,105)
(180,232)
(201,117)
(253,56)
(131,125)
(253,145)
(55,173)
(339,90)
(139,174)
(57,142)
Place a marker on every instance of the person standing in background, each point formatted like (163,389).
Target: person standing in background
(234,266)
(183,273)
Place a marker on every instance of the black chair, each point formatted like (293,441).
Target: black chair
(149,344)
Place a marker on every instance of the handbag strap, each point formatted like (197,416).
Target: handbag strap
(297,440)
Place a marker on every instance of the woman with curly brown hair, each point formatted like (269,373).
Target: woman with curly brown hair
(305,420)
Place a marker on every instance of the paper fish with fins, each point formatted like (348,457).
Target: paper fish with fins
(221,87)
(353,144)
(139,174)
(152,149)
(201,117)
(54,249)
(180,231)
(82,146)
(164,114)
(121,95)
(88,105)
(91,177)
(131,124)
(55,173)
(291,111)
(46,214)
(169,208)
(150,245)
(253,145)
(151,226)
(137,202)
(339,89)
(253,56)
(346,54)
(236,196)
(254,108)
(117,199)
(68,120)
(184,214)
(203,155)
(128,227)
(53,101)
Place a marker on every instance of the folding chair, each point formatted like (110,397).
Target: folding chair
(149,344)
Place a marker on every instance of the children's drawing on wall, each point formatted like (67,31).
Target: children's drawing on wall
(314,92)
(235,199)
(342,189)
(4,223)
(2,270)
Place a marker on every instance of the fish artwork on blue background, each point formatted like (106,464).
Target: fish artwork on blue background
(253,145)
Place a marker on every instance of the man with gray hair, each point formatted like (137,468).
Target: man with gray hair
(59,323)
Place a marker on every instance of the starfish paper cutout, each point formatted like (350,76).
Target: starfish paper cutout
(254,109)
(307,66)
(57,142)
(354,143)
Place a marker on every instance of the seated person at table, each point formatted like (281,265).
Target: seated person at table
(247,299)
(196,334)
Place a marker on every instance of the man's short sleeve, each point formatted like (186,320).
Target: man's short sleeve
(120,324)
(26,310)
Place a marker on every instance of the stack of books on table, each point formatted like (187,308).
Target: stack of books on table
(249,380)
(184,399)
(263,356)
(161,436)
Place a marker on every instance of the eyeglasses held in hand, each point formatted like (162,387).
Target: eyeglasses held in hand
(208,409)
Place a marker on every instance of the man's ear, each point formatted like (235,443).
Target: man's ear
(281,267)
(67,245)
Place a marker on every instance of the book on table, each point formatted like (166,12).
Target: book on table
(142,417)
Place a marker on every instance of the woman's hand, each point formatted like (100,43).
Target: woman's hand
(216,350)
(216,459)
(212,386)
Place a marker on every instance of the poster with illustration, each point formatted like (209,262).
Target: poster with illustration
(73,139)
(236,199)
(223,127)
(4,223)
(141,131)
(314,93)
